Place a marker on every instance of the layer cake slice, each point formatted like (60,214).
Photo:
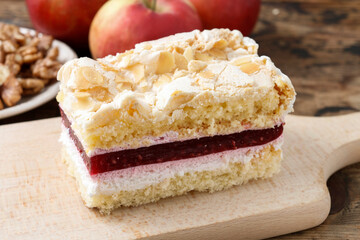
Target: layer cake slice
(193,111)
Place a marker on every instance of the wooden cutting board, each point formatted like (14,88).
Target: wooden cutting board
(39,200)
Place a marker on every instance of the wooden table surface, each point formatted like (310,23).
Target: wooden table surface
(317,44)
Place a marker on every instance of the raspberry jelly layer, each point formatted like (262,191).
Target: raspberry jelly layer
(172,151)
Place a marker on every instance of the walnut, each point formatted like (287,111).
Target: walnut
(3,36)
(14,61)
(29,40)
(11,91)
(30,53)
(9,46)
(34,41)
(19,37)
(53,53)
(45,43)
(4,73)
(27,63)
(46,68)
(46,81)
(26,50)
(31,85)
(30,58)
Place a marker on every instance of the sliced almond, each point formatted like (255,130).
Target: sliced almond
(120,78)
(101,94)
(107,67)
(221,44)
(163,79)
(124,86)
(82,103)
(249,68)
(179,73)
(91,75)
(189,54)
(179,50)
(178,98)
(203,56)
(241,60)
(180,61)
(218,54)
(206,74)
(81,82)
(196,65)
(64,73)
(166,63)
(138,71)
(81,95)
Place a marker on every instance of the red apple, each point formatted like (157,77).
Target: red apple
(120,24)
(233,14)
(67,20)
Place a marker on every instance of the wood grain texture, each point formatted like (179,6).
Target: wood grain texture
(317,44)
(15,12)
(39,200)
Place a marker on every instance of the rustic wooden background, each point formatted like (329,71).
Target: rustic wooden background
(317,44)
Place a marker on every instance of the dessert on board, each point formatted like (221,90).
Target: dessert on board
(193,111)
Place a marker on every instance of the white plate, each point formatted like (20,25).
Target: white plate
(48,93)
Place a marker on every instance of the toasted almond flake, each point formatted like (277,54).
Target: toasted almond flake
(203,56)
(196,65)
(206,74)
(178,98)
(250,67)
(179,73)
(81,82)
(91,75)
(166,63)
(65,73)
(180,61)
(221,44)
(119,78)
(241,60)
(106,67)
(188,54)
(217,53)
(138,71)
(179,49)
(124,86)
(81,95)
(100,93)
(163,79)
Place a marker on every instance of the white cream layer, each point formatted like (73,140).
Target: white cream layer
(142,176)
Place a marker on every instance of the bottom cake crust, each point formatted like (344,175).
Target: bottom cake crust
(261,162)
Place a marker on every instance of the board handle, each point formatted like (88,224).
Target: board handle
(339,137)
(346,143)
